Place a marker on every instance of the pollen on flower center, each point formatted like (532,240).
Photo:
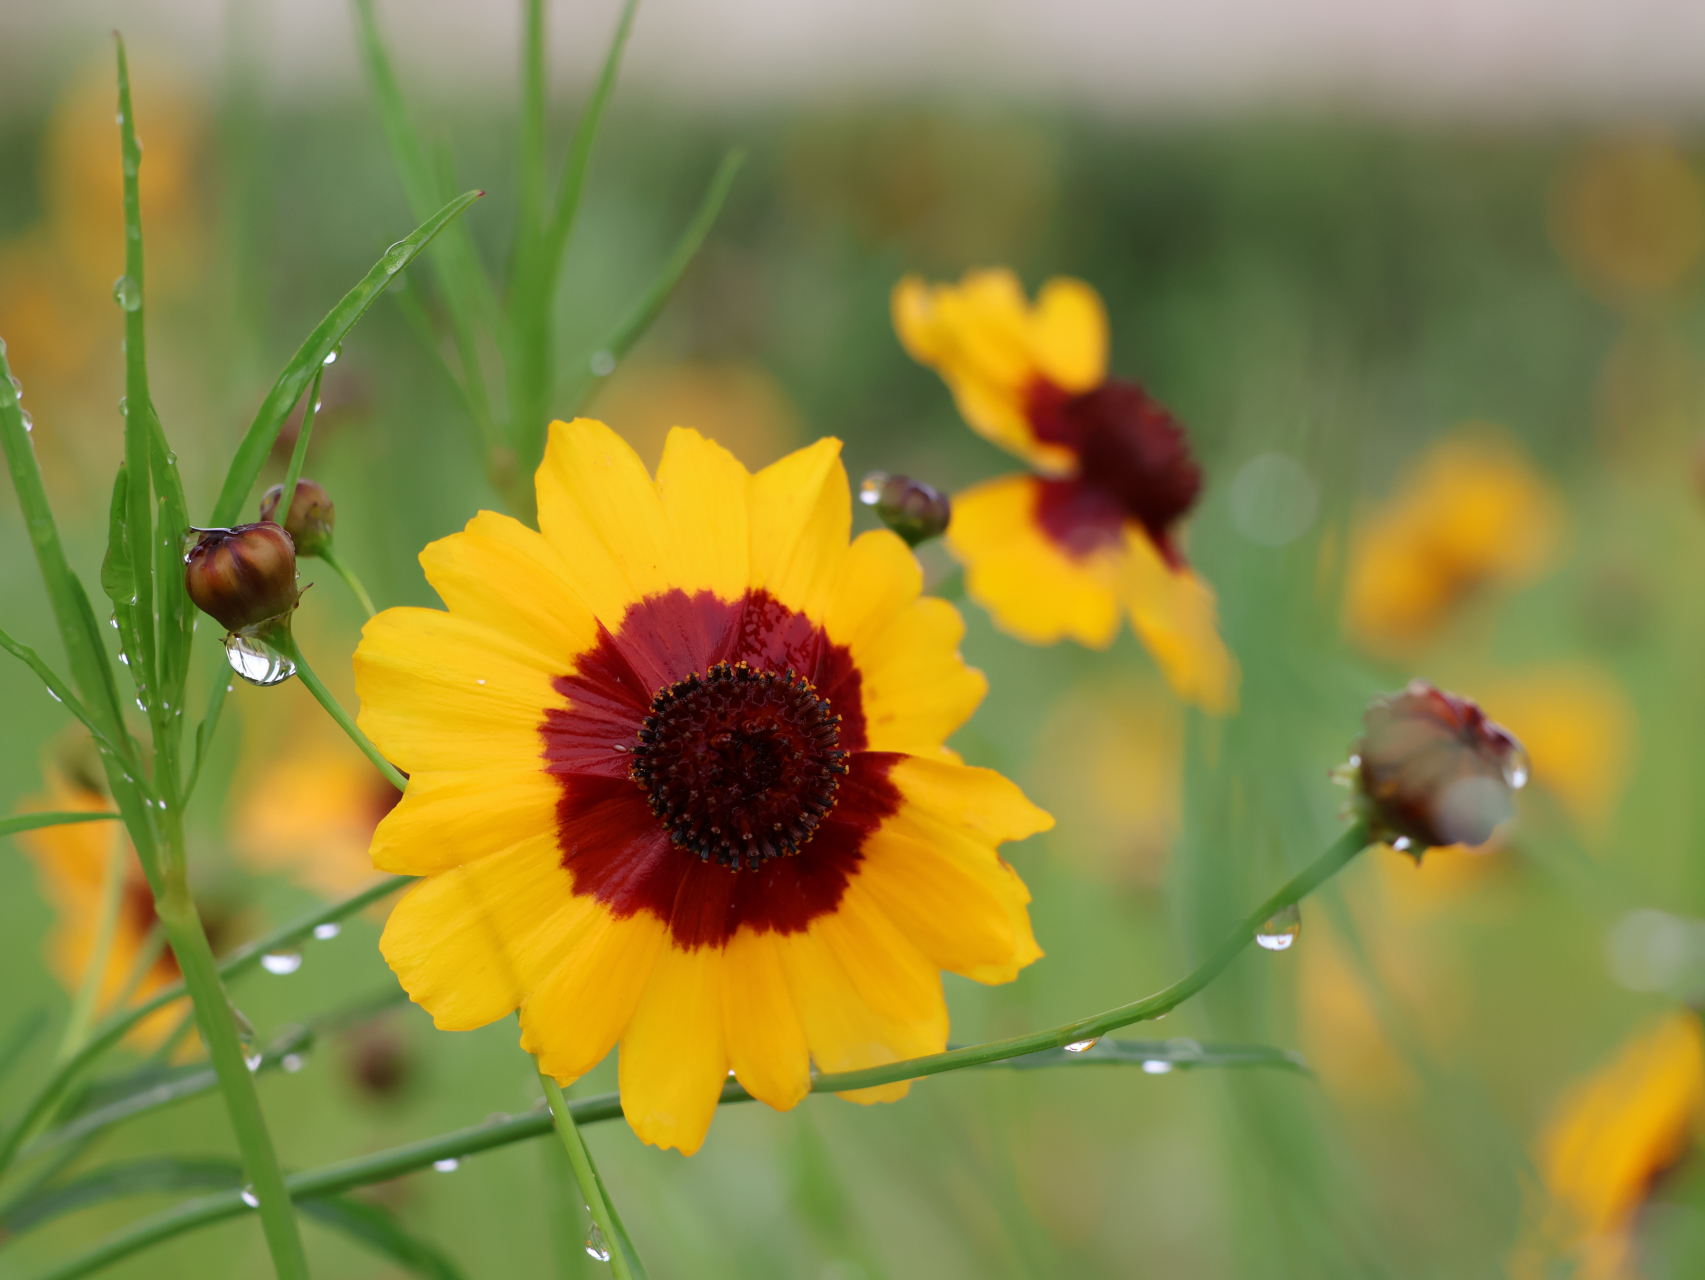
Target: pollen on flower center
(740,765)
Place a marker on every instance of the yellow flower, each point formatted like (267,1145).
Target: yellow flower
(1065,552)
(1614,1134)
(1474,513)
(71,868)
(677,779)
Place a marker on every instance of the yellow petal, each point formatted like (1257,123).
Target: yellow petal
(1068,333)
(917,689)
(467,945)
(879,577)
(575,1016)
(601,512)
(1172,611)
(447,819)
(766,1044)
(673,1062)
(801,516)
(1031,588)
(845,1033)
(500,572)
(439,691)
(703,491)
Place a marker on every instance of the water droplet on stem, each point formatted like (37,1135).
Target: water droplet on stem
(281,962)
(127,293)
(596,1246)
(257,661)
(447,1165)
(327,931)
(1083,1046)
(1280,929)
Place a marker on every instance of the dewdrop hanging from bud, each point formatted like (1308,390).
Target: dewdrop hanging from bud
(246,579)
(909,507)
(1431,769)
(309,521)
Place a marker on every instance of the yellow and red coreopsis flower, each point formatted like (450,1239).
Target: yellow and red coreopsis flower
(1096,532)
(677,780)
(1614,1135)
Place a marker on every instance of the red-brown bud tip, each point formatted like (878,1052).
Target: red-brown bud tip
(310,519)
(243,576)
(1433,770)
(909,507)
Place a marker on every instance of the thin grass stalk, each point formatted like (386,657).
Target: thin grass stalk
(336,564)
(592,1190)
(299,451)
(106,925)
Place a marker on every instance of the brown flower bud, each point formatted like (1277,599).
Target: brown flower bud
(909,507)
(1431,769)
(310,518)
(244,577)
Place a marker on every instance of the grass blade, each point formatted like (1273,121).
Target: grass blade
(61,692)
(379,1230)
(30,821)
(146,1175)
(22,1035)
(633,326)
(257,443)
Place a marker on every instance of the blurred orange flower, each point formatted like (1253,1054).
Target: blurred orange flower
(1612,1136)
(1097,532)
(1472,514)
(1629,216)
(71,869)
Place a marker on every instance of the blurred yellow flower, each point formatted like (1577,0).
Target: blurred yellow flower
(1473,513)
(1629,216)
(71,869)
(1577,724)
(1612,1136)
(1097,533)
(741,406)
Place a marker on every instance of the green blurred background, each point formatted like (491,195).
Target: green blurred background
(1333,288)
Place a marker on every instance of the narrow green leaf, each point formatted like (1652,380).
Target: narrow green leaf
(177,614)
(146,1175)
(21,1037)
(60,692)
(30,821)
(251,454)
(640,317)
(379,1230)
(217,690)
(138,406)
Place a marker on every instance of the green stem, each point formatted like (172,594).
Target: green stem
(337,566)
(32,821)
(146,956)
(218,1025)
(118,1026)
(106,925)
(591,1185)
(335,709)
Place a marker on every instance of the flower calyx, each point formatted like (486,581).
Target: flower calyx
(310,519)
(914,510)
(1431,769)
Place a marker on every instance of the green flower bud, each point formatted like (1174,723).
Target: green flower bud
(909,507)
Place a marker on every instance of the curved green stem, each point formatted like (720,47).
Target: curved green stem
(591,1185)
(334,708)
(337,566)
(299,452)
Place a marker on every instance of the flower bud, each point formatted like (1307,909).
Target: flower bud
(310,518)
(245,577)
(1431,769)
(909,507)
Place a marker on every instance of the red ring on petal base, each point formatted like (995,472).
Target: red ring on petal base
(1134,464)
(627,857)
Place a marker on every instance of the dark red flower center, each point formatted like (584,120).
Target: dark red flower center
(742,723)
(740,765)
(1134,464)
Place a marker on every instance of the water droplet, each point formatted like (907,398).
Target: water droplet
(250,1198)
(54,696)
(327,931)
(396,257)
(281,962)
(1157,1067)
(603,363)
(596,1246)
(140,706)
(318,405)
(1081,1046)
(29,422)
(293,1062)
(1281,929)
(447,1165)
(252,1061)
(1517,769)
(1402,844)
(127,293)
(112,621)
(870,488)
(17,387)
(256,661)
(124,406)
(479,681)
(332,355)
(124,657)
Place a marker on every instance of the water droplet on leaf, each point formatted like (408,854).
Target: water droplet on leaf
(1280,929)
(293,1062)
(1157,1067)
(332,355)
(596,1246)
(281,962)
(603,363)
(250,1198)
(330,929)
(447,1165)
